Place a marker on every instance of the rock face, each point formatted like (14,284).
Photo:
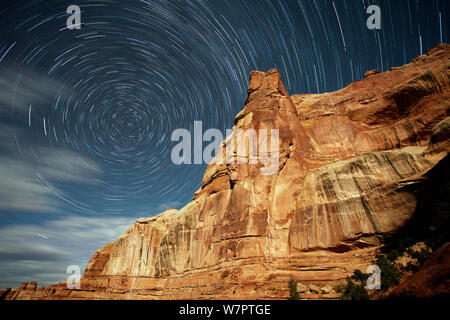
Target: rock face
(343,164)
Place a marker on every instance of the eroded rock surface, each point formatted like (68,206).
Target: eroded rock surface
(344,160)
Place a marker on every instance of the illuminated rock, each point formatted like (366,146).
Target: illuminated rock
(346,167)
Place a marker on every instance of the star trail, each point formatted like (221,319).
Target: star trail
(86,115)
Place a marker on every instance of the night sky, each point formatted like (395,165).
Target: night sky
(86,115)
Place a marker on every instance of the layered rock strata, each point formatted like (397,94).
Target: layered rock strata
(346,168)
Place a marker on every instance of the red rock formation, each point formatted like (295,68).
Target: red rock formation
(343,162)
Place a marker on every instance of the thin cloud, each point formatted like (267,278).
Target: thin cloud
(20,89)
(72,240)
(29,172)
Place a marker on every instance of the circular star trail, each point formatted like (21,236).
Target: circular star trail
(90,112)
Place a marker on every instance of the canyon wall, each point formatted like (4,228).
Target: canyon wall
(347,165)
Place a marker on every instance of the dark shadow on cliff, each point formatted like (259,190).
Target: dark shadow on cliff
(430,224)
(431,219)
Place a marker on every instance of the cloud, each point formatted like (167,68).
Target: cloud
(28,177)
(21,88)
(29,171)
(27,256)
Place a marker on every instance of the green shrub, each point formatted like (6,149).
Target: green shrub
(390,274)
(355,290)
(421,255)
(293,294)
(359,276)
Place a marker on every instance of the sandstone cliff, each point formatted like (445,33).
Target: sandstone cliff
(347,164)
